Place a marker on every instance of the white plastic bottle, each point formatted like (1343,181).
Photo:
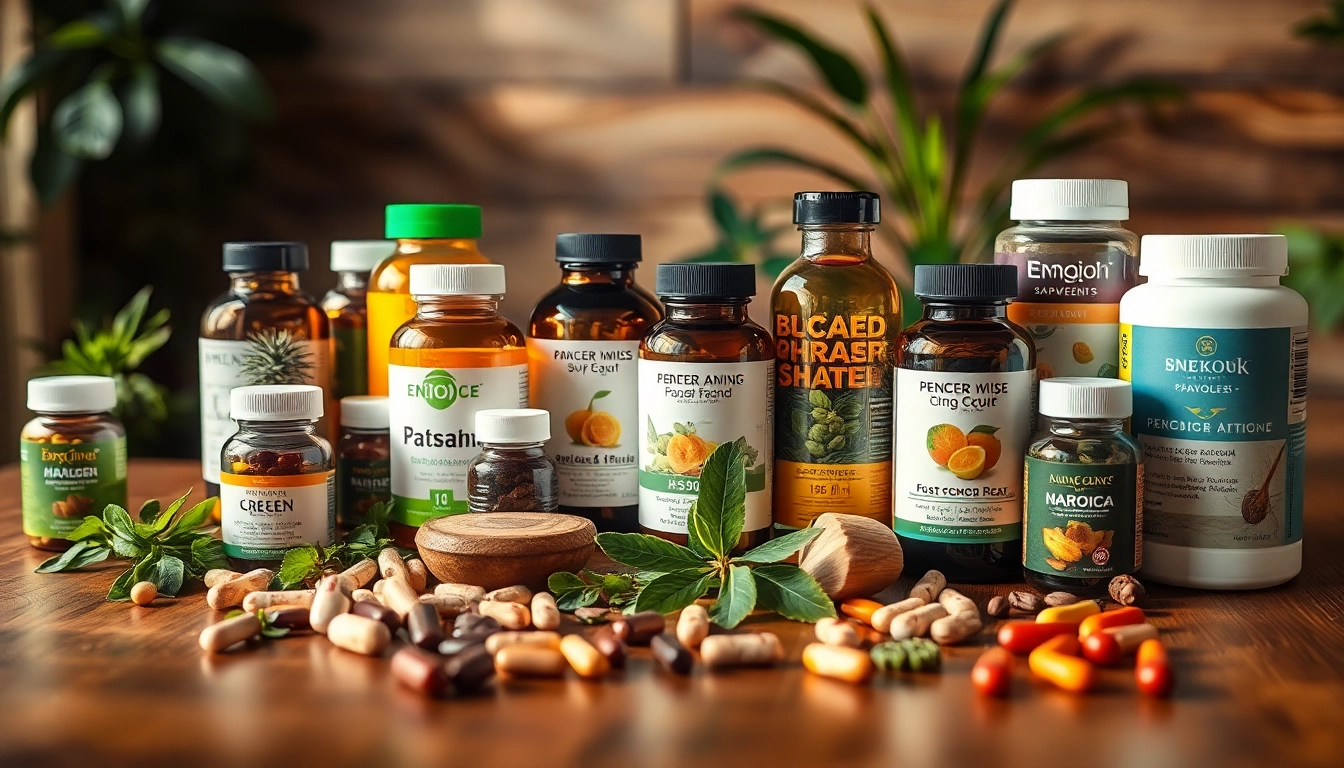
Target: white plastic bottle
(1217,352)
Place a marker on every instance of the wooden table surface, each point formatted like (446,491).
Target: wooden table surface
(89,683)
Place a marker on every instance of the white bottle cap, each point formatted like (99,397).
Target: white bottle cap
(360,255)
(1080,397)
(513,425)
(72,394)
(276,402)
(1213,255)
(364,412)
(1070,200)
(457,280)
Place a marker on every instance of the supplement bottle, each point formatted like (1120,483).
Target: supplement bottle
(456,357)
(72,457)
(347,309)
(1083,513)
(512,473)
(706,377)
(1074,261)
(1217,352)
(278,484)
(965,402)
(264,330)
(426,234)
(582,352)
(363,459)
(837,313)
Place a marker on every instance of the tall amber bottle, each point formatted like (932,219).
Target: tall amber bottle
(457,356)
(263,330)
(837,313)
(430,233)
(582,358)
(706,375)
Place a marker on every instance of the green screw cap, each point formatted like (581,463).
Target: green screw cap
(433,220)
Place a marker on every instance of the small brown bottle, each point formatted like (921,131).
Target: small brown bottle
(965,404)
(583,352)
(706,377)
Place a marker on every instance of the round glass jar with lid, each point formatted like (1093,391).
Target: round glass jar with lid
(512,473)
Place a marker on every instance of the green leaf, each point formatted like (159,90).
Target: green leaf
(131,10)
(121,588)
(81,554)
(564,581)
(195,517)
(222,74)
(149,511)
(79,34)
(118,520)
(143,111)
(840,73)
(639,550)
(89,528)
(715,524)
(737,597)
(168,574)
(792,593)
(87,123)
(673,591)
(724,212)
(777,549)
(207,552)
(299,563)
(52,170)
(23,78)
(578,598)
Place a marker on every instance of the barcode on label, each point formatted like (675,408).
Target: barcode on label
(1298,401)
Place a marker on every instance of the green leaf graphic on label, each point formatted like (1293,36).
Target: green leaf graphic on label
(439,389)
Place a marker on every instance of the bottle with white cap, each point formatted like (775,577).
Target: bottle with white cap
(1217,352)
(456,357)
(1074,261)
(277,482)
(72,457)
(1081,520)
(346,306)
(512,473)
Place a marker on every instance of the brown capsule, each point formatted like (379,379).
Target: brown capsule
(378,612)
(1027,602)
(998,606)
(471,668)
(455,645)
(608,644)
(291,618)
(424,627)
(1056,599)
(420,671)
(639,628)
(476,625)
(671,654)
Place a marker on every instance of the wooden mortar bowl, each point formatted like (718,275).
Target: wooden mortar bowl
(500,549)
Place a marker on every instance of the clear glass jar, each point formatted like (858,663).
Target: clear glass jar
(513,472)
(277,479)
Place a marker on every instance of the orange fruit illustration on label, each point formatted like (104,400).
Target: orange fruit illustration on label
(601,430)
(944,440)
(983,436)
(574,424)
(968,463)
(1081,352)
(686,453)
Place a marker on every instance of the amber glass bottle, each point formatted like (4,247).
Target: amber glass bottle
(965,404)
(582,359)
(706,374)
(425,234)
(457,356)
(346,306)
(837,314)
(264,330)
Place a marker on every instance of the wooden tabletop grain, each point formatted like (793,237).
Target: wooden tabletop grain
(88,683)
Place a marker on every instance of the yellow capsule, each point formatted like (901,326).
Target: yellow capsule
(1069,614)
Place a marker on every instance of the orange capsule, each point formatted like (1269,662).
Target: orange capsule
(1056,661)
(1117,618)
(860,608)
(1152,673)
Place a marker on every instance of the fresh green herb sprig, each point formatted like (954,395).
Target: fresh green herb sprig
(167,546)
(580,590)
(304,566)
(672,576)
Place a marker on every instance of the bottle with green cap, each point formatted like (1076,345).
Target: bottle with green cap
(426,233)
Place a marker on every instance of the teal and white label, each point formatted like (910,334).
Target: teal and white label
(432,415)
(686,410)
(1221,414)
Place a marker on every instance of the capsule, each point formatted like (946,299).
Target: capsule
(292,617)
(391,566)
(860,608)
(468,592)
(475,624)
(359,634)
(222,634)
(423,627)
(883,616)
(500,640)
(455,645)
(837,632)
(530,661)
(378,612)
(639,628)
(515,594)
(328,602)
(693,625)
(585,660)
(416,574)
(509,615)
(849,664)
(358,575)
(449,607)
(754,649)
(1117,618)
(608,644)
(230,594)
(671,654)
(398,595)
(545,614)
(420,671)
(217,576)
(1074,613)
(470,669)
(255,601)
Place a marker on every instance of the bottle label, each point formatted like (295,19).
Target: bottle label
(591,389)
(433,429)
(261,516)
(352,361)
(1070,303)
(1082,521)
(1222,417)
(361,483)
(833,434)
(687,410)
(62,482)
(960,439)
(221,370)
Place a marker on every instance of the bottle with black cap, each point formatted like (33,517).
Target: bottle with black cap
(837,313)
(263,330)
(583,351)
(706,375)
(965,405)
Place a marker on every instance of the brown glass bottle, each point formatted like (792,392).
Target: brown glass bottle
(706,376)
(583,352)
(346,306)
(965,405)
(263,304)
